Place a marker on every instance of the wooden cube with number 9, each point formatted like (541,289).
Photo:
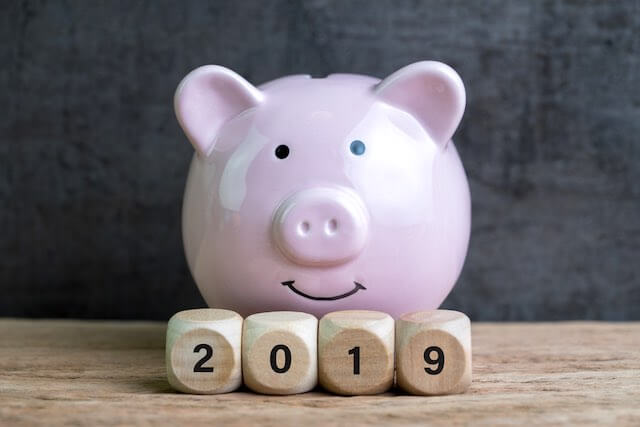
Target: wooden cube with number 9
(279,352)
(203,351)
(355,352)
(433,352)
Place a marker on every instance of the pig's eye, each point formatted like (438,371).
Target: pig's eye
(282,151)
(357,147)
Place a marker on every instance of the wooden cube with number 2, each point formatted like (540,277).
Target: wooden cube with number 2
(203,351)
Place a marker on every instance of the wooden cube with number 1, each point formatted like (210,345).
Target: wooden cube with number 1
(355,352)
(433,352)
(203,351)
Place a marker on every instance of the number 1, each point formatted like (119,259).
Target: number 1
(356,360)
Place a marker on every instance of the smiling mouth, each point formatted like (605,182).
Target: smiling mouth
(356,288)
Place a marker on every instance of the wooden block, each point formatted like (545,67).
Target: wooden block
(433,352)
(279,352)
(203,351)
(355,352)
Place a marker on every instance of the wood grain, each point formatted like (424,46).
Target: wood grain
(54,372)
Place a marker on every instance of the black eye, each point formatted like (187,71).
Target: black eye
(357,147)
(282,151)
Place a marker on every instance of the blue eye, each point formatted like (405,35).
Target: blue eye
(357,147)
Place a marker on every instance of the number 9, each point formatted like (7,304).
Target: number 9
(438,361)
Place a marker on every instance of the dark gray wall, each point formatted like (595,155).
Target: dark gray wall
(93,164)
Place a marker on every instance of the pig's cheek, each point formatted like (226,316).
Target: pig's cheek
(394,174)
(236,261)
(232,236)
(396,184)
(235,175)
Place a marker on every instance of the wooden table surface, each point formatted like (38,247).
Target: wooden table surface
(93,372)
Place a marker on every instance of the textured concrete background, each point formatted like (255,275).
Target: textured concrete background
(93,164)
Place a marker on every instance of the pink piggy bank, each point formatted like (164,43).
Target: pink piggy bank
(323,194)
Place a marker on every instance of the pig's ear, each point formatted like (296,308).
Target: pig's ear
(207,98)
(430,91)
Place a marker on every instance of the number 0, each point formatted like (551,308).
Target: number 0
(274,361)
(438,361)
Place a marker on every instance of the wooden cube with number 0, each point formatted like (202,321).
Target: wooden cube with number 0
(279,352)
(203,351)
(433,352)
(355,352)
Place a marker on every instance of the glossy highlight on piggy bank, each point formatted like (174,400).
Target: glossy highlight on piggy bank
(324,194)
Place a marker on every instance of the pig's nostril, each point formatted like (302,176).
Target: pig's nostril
(303,228)
(331,226)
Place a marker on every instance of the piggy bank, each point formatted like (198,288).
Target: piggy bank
(323,194)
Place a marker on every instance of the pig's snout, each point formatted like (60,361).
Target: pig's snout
(321,226)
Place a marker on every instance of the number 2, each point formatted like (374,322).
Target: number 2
(356,360)
(208,353)
(438,361)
